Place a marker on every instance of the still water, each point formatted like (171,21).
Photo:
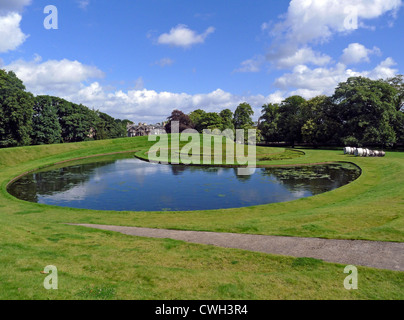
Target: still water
(129,184)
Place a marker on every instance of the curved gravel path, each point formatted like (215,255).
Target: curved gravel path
(381,255)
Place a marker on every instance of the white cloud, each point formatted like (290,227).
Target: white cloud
(152,106)
(182,36)
(83,4)
(265,26)
(139,84)
(277,97)
(251,65)
(312,82)
(164,62)
(288,58)
(53,77)
(312,22)
(383,71)
(318,20)
(70,80)
(318,79)
(303,56)
(357,53)
(306,93)
(7,6)
(11,36)
(309,22)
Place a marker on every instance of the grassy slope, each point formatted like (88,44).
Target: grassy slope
(98,264)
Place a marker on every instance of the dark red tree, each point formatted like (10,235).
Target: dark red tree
(183,119)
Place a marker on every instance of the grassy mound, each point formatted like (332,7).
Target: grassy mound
(95,264)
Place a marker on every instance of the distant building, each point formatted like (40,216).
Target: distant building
(92,133)
(143,129)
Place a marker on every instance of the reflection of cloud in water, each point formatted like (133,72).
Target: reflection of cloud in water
(126,164)
(248,195)
(298,194)
(129,168)
(97,177)
(220,171)
(280,194)
(77,193)
(131,184)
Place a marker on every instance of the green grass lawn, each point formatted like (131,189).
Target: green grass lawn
(95,264)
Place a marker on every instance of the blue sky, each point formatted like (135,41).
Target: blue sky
(142,59)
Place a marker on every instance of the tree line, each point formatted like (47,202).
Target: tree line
(201,120)
(361,112)
(28,120)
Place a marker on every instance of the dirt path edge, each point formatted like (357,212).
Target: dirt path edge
(375,254)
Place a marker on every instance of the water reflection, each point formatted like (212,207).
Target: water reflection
(316,179)
(131,184)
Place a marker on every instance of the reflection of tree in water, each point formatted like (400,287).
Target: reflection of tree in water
(51,181)
(316,179)
(24,189)
(180,169)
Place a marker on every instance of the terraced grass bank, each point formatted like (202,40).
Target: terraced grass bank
(95,264)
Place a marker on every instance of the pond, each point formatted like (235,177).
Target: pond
(129,184)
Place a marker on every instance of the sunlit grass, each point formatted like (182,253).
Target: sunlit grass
(211,149)
(95,264)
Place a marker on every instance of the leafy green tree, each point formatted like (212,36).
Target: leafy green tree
(16,109)
(399,126)
(197,117)
(227,119)
(108,128)
(124,122)
(77,121)
(331,125)
(398,83)
(212,121)
(46,128)
(268,123)
(242,117)
(118,129)
(123,125)
(46,120)
(64,110)
(242,120)
(367,110)
(103,127)
(291,119)
(320,126)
